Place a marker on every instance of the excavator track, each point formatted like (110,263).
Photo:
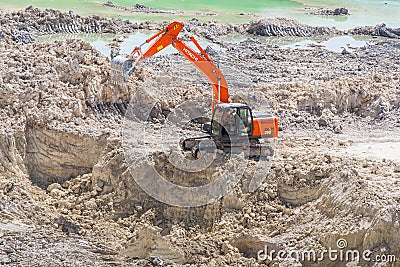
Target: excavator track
(253,149)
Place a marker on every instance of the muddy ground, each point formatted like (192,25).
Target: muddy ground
(67,196)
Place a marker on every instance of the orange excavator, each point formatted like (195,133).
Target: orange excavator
(234,127)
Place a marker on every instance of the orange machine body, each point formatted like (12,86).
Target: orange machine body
(265,127)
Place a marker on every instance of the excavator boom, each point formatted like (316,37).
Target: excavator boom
(123,66)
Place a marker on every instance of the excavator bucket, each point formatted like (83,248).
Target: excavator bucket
(121,68)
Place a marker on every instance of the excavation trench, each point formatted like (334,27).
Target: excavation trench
(55,157)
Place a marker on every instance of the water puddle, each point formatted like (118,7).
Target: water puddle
(99,41)
(102,42)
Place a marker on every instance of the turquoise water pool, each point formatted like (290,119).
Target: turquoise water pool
(363,12)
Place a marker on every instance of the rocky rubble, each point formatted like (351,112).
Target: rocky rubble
(67,195)
(340,11)
(23,26)
(378,30)
(38,112)
(284,27)
(265,27)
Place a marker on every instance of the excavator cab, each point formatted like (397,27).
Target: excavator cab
(231,121)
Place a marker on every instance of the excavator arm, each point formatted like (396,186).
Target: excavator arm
(123,66)
(208,68)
